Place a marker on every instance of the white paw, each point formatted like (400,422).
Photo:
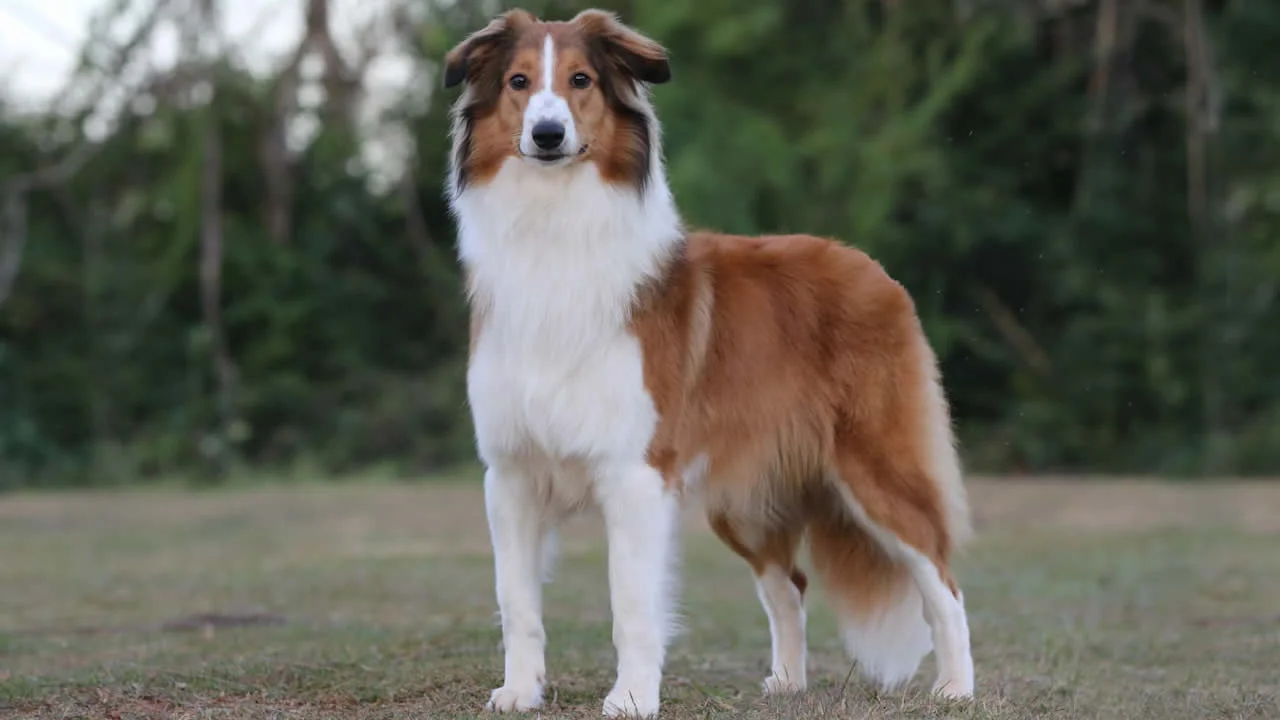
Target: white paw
(626,702)
(777,685)
(514,699)
(954,689)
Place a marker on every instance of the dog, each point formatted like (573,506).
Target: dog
(621,360)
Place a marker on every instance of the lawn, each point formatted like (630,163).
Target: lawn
(1099,599)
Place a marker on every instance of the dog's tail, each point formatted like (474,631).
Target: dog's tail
(878,605)
(901,514)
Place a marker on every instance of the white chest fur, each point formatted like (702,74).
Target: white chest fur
(556,256)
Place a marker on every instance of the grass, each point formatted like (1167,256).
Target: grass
(1118,599)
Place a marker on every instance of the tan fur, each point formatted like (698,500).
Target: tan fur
(787,362)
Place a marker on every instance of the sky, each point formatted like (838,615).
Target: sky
(40,42)
(40,39)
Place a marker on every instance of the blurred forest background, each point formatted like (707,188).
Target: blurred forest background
(205,269)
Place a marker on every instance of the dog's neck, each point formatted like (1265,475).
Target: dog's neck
(560,251)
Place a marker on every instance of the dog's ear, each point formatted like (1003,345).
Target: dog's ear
(469,57)
(627,50)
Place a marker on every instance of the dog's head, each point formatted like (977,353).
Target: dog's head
(554,94)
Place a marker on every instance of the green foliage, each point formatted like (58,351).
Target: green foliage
(1039,217)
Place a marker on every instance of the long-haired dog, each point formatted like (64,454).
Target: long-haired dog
(620,359)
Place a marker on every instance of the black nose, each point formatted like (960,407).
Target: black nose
(548,134)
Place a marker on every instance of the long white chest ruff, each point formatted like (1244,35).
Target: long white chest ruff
(556,257)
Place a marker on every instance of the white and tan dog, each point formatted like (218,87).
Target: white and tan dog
(618,358)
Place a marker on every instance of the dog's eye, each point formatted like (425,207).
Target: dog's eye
(580,81)
(518,82)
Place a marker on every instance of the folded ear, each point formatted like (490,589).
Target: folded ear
(629,51)
(469,56)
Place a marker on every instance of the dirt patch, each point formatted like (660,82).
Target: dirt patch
(1123,504)
(202,622)
(364,521)
(219,621)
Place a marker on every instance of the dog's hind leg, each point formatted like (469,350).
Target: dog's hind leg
(780,585)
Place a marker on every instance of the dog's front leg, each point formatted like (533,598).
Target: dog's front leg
(516,530)
(640,516)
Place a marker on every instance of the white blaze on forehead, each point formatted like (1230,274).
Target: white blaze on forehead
(548,63)
(547,105)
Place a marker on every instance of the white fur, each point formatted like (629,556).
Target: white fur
(517,534)
(784,605)
(562,415)
(889,645)
(888,642)
(640,522)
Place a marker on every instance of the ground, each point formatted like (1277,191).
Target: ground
(1088,599)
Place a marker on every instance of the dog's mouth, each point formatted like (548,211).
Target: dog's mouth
(551,158)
